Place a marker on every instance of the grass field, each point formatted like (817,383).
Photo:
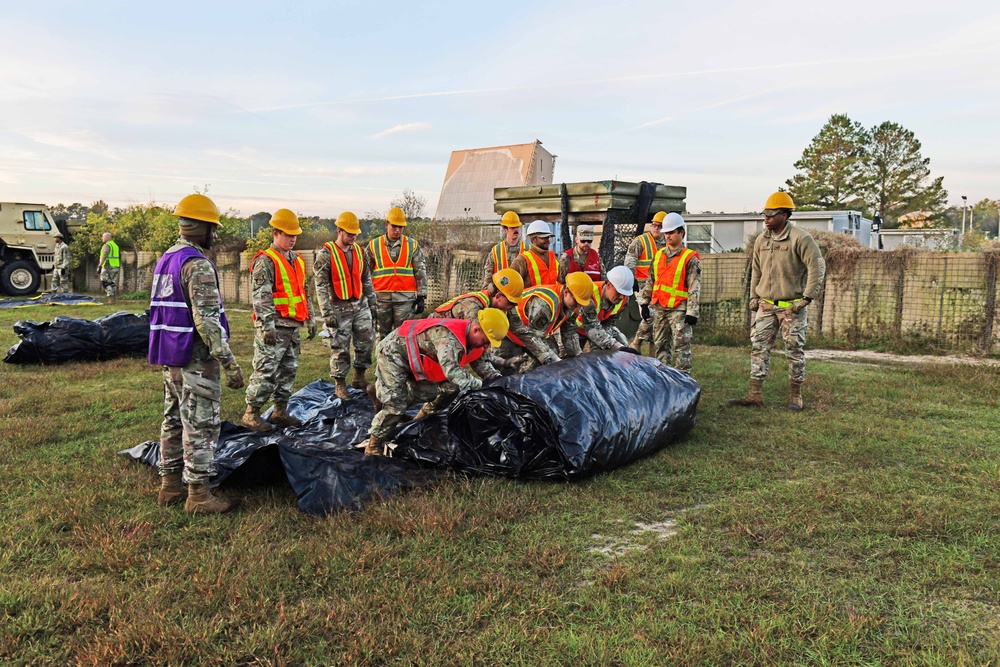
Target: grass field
(863,531)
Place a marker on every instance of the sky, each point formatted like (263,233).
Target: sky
(329,106)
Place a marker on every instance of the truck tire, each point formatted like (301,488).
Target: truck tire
(20,278)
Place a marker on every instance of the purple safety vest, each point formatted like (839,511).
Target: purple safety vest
(171,327)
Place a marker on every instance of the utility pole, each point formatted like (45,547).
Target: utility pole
(965,201)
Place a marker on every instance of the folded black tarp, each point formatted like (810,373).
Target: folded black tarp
(567,420)
(66,339)
(51,299)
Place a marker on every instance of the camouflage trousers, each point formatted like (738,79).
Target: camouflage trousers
(392,314)
(352,320)
(274,367)
(644,334)
(672,338)
(61,281)
(109,280)
(396,387)
(190,429)
(767,321)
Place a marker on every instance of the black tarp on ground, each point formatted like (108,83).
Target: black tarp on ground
(567,420)
(66,339)
(52,299)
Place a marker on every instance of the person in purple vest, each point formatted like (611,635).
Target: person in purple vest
(189,337)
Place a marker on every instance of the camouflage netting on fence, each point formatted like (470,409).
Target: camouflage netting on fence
(899,300)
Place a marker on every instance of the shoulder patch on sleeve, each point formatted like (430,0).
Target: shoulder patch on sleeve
(206,278)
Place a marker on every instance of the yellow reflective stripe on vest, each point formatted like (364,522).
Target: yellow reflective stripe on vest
(674,294)
(482,297)
(114,255)
(648,251)
(384,266)
(343,276)
(500,261)
(533,267)
(286,281)
(549,296)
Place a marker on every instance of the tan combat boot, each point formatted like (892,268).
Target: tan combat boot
(172,489)
(280,416)
(754,399)
(375,447)
(360,381)
(252,420)
(795,396)
(111,300)
(201,501)
(341,391)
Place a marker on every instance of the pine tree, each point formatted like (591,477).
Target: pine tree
(832,166)
(897,176)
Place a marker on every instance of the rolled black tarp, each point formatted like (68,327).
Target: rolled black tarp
(67,339)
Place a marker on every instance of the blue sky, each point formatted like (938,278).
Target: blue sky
(330,106)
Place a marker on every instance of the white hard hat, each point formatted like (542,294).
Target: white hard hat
(673,221)
(539,227)
(622,280)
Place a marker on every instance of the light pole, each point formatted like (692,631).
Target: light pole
(965,201)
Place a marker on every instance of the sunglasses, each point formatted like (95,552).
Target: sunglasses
(585,240)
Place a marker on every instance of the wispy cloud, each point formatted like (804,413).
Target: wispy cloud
(396,129)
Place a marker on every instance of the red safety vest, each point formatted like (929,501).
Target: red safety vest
(539,272)
(500,255)
(669,284)
(390,276)
(425,367)
(601,313)
(289,286)
(646,257)
(592,267)
(483,297)
(346,282)
(550,294)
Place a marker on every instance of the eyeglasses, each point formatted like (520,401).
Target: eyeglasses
(584,241)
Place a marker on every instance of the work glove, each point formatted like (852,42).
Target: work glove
(418,305)
(798,305)
(690,320)
(644,312)
(631,350)
(754,304)
(311,328)
(270,337)
(331,323)
(234,376)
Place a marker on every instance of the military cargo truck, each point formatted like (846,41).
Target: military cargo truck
(27,247)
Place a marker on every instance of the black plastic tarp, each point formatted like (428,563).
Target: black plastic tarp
(66,339)
(52,299)
(563,421)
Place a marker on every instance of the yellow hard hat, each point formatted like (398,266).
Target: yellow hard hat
(581,286)
(495,325)
(510,283)
(510,219)
(198,207)
(348,222)
(396,217)
(285,221)
(779,200)
(660,215)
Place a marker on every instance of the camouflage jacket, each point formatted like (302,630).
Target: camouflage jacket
(62,256)
(322,268)
(632,256)
(262,296)
(520,264)
(490,267)
(581,259)
(692,281)
(786,266)
(441,344)
(201,287)
(596,333)
(419,270)
(533,334)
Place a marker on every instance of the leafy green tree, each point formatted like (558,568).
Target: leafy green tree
(897,176)
(831,166)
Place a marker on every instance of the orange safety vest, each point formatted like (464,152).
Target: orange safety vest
(602,315)
(346,282)
(539,272)
(646,257)
(483,297)
(669,284)
(289,286)
(500,255)
(550,294)
(425,367)
(390,276)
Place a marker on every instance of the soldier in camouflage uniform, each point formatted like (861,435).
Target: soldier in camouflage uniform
(597,320)
(280,299)
(347,303)
(639,258)
(503,293)
(189,339)
(399,274)
(544,311)
(502,254)
(787,272)
(426,360)
(109,266)
(581,257)
(673,292)
(61,282)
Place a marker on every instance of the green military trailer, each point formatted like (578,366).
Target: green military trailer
(619,211)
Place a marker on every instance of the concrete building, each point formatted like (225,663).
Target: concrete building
(474,173)
(726,232)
